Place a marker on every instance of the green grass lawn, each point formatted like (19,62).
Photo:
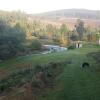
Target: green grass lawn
(74,83)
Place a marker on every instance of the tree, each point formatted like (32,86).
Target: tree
(63,29)
(64,34)
(74,37)
(80,28)
(36,45)
(92,34)
(50,30)
(3,26)
(98,36)
(11,39)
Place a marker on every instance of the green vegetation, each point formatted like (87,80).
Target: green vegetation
(18,31)
(80,28)
(11,39)
(19,78)
(36,45)
(72,83)
(25,75)
(76,83)
(71,47)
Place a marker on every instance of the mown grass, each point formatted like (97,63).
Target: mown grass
(11,65)
(74,83)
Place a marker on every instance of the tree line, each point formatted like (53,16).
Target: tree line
(17,34)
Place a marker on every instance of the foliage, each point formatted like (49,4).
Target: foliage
(74,36)
(36,45)
(11,39)
(64,32)
(80,28)
(18,29)
(71,47)
(19,78)
(15,79)
(63,29)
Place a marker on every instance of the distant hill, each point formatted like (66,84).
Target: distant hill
(69,17)
(73,13)
(91,18)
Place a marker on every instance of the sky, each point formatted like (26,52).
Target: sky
(39,6)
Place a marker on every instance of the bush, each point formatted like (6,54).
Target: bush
(71,47)
(36,45)
(11,39)
(16,79)
(37,75)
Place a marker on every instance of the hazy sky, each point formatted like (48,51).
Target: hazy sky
(38,6)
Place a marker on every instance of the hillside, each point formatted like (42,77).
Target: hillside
(74,13)
(69,16)
(29,70)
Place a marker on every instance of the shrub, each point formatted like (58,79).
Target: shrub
(38,76)
(71,47)
(36,45)
(16,79)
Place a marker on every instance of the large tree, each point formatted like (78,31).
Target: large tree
(50,31)
(80,28)
(11,39)
(64,34)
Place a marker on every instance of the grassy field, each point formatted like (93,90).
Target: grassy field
(74,83)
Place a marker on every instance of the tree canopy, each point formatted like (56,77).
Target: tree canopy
(80,28)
